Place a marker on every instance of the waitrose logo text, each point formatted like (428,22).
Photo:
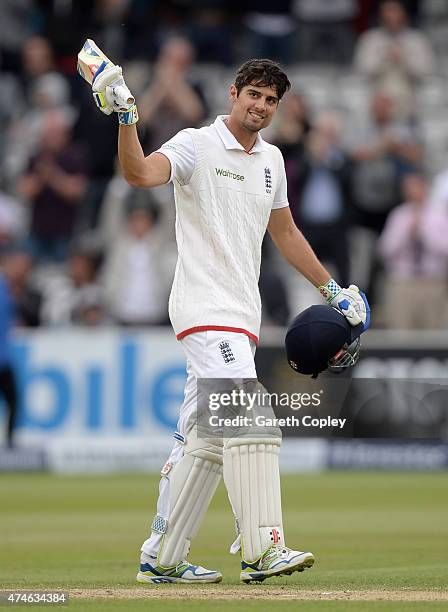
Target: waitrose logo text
(229,174)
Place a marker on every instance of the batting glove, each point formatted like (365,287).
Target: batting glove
(351,302)
(112,95)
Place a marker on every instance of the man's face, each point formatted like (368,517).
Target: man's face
(254,107)
(382,108)
(393,16)
(17,267)
(414,189)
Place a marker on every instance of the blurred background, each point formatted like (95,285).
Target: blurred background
(90,371)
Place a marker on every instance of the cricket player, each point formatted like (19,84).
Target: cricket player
(229,187)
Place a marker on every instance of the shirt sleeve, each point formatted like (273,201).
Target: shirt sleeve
(182,155)
(396,235)
(281,194)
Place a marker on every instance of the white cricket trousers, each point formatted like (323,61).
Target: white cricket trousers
(205,359)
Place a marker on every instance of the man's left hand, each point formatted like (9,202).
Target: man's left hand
(350,301)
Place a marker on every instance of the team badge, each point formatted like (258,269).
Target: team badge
(268,180)
(226,351)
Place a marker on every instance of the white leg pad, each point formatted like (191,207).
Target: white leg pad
(252,478)
(192,484)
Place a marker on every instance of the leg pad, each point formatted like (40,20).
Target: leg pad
(192,483)
(252,478)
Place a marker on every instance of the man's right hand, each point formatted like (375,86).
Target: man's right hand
(111,94)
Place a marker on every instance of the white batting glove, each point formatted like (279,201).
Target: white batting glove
(112,95)
(351,302)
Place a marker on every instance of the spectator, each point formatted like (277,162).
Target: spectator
(90,308)
(11,108)
(119,198)
(414,248)
(135,280)
(172,101)
(12,220)
(290,134)
(15,27)
(326,30)
(26,297)
(76,296)
(114,211)
(8,387)
(105,20)
(46,92)
(395,57)
(41,88)
(66,24)
(439,192)
(271,30)
(322,194)
(50,91)
(87,302)
(37,60)
(99,139)
(273,293)
(209,31)
(383,150)
(53,185)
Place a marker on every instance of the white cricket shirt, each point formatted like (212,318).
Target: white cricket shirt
(224,197)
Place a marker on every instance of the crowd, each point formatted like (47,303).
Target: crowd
(79,246)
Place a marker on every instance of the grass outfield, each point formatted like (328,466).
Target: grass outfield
(380,541)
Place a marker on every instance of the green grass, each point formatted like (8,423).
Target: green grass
(251,606)
(257,606)
(367,531)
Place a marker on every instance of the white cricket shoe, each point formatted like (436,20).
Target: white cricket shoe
(183,572)
(276,561)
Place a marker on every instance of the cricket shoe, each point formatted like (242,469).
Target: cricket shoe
(183,572)
(276,561)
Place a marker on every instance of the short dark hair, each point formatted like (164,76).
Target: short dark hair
(263,73)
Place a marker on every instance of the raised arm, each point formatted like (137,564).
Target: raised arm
(138,170)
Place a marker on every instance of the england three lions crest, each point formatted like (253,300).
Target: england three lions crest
(268,180)
(226,351)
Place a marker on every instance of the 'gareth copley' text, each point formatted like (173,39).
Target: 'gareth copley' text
(264,421)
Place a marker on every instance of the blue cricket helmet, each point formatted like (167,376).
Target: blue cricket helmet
(320,337)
